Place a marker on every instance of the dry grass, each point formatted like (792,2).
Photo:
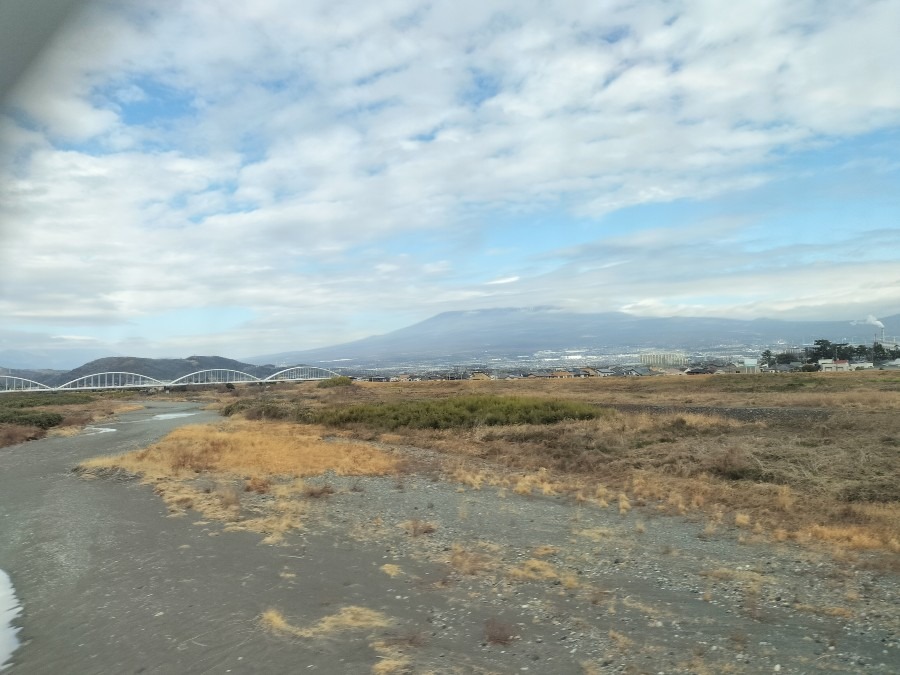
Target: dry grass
(836,612)
(417,527)
(534,570)
(258,485)
(468,562)
(832,482)
(796,480)
(13,434)
(620,641)
(317,491)
(871,390)
(784,498)
(241,448)
(597,534)
(744,576)
(391,655)
(348,618)
(391,570)
(392,661)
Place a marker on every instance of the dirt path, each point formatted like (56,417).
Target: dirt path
(503,584)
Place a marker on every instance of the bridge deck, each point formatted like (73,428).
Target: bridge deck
(124,380)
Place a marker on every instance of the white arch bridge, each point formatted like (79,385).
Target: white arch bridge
(122,380)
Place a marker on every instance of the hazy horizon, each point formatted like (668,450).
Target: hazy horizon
(212,178)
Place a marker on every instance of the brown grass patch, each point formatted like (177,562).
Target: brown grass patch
(242,448)
(391,570)
(468,562)
(620,641)
(499,632)
(13,434)
(318,491)
(836,612)
(224,504)
(534,570)
(229,497)
(417,528)
(63,432)
(751,580)
(258,485)
(784,474)
(597,534)
(348,618)
(827,482)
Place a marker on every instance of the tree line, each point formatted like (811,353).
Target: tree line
(825,349)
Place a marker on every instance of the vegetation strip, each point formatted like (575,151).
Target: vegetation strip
(459,412)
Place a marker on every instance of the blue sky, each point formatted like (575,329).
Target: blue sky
(217,178)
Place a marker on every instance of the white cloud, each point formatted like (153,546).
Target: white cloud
(200,154)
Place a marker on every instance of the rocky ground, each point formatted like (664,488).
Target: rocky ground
(578,588)
(461,580)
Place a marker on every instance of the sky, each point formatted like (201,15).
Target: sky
(239,179)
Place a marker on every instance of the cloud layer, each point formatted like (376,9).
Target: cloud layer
(343,169)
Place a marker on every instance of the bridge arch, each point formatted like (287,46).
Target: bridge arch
(214,376)
(111,380)
(13,383)
(295,373)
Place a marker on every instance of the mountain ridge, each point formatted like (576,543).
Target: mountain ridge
(504,331)
(500,333)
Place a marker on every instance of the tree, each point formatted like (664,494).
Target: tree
(821,349)
(767,357)
(842,350)
(785,357)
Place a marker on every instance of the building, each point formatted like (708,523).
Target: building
(834,365)
(665,359)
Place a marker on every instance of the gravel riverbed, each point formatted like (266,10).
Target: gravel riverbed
(472,580)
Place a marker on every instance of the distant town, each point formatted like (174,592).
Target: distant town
(820,356)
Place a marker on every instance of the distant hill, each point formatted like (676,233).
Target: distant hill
(37,375)
(507,332)
(161,369)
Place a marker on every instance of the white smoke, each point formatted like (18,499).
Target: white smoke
(870,321)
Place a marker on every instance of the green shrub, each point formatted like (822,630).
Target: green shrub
(337,381)
(457,412)
(266,409)
(32,418)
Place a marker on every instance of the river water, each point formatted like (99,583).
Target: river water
(9,610)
